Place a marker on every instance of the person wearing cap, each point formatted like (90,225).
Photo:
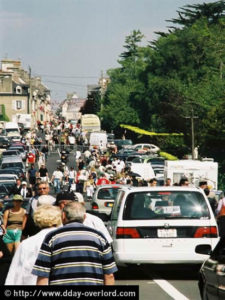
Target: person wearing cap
(14,220)
(46,218)
(75,254)
(25,192)
(92,221)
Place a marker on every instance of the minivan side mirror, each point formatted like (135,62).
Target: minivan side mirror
(203,249)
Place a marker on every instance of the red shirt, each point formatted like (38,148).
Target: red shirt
(31,158)
(102,181)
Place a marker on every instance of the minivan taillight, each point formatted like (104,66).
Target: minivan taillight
(127,233)
(209,232)
(94,206)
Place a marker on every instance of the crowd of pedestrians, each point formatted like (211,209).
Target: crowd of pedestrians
(54,240)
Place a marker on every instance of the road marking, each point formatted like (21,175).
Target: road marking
(169,289)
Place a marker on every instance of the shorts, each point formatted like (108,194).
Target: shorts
(12,236)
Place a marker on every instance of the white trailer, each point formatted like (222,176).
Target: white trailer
(194,170)
(23,119)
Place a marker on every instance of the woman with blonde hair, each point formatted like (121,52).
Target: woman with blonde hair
(47,218)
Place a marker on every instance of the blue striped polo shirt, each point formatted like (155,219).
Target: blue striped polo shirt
(75,255)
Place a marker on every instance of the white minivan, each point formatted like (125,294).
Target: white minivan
(98,140)
(161,225)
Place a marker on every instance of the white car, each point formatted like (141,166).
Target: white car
(161,225)
(146,148)
(103,198)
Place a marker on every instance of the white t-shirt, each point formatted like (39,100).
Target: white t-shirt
(57,174)
(97,223)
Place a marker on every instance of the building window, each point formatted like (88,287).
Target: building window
(18,104)
(18,90)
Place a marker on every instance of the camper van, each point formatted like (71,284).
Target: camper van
(194,170)
(90,123)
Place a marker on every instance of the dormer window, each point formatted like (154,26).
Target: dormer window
(18,90)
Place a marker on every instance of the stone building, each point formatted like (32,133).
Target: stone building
(22,94)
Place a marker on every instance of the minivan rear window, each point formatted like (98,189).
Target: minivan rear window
(108,193)
(165,205)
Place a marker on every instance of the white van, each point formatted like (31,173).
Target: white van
(161,225)
(98,140)
(11,127)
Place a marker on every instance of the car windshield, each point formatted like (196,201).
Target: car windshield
(108,193)
(166,205)
(11,164)
(8,153)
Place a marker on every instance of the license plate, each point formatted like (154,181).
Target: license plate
(167,233)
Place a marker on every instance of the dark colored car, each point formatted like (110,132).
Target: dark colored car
(212,273)
(123,154)
(4,191)
(18,171)
(120,143)
(4,142)
(9,186)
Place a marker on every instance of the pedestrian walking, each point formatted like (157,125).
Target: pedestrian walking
(56,179)
(14,220)
(47,218)
(96,267)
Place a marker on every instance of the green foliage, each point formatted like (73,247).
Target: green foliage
(4,117)
(167,156)
(156,87)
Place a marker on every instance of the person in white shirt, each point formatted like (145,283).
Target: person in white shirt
(25,192)
(71,176)
(47,218)
(92,221)
(57,177)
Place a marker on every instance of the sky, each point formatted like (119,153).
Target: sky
(68,43)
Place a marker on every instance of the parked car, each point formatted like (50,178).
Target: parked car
(104,197)
(11,153)
(8,177)
(4,191)
(13,162)
(123,154)
(161,225)
(10,186)
(146,148)
(18,171)
(120,143)
(110,137)
(134,158)
(212,273)
(21,150)
(4,142)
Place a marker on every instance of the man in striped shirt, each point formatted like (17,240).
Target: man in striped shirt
(75,254)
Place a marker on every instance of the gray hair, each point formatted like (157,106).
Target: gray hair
(74,211)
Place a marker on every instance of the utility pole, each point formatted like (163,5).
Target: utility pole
(30,92)
(192,117)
